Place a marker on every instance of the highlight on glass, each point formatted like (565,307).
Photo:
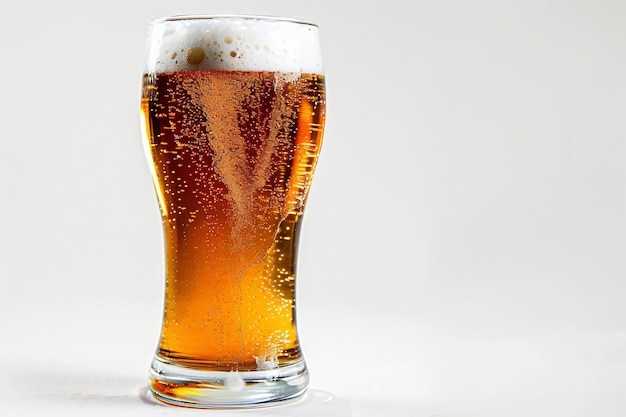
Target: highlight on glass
(233,110)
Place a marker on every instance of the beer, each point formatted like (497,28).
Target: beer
(231,186)
(232,153)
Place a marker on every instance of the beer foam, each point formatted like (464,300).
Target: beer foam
(233,43)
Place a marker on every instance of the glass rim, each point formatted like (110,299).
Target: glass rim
(268,18)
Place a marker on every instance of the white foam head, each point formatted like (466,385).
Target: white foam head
(242,43)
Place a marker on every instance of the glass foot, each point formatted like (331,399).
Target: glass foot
(177,385)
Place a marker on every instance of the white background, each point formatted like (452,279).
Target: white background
(463,248)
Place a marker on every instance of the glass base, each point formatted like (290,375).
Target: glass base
(177,385)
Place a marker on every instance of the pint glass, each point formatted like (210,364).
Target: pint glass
(233,112)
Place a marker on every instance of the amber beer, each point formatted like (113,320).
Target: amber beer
(233,150)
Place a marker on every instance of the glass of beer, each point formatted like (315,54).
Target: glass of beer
(233,111)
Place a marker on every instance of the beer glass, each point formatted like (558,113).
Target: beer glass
(233,111)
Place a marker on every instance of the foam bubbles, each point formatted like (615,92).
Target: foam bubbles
(266,364)
(233,43)
(234,382)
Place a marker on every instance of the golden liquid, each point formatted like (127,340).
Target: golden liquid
(233,154)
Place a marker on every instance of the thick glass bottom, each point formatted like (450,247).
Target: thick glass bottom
(187,387)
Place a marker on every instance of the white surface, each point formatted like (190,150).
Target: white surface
(463,248)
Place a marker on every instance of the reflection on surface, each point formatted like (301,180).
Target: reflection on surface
(34,392)
(315,403)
